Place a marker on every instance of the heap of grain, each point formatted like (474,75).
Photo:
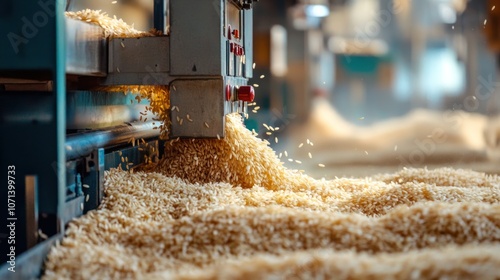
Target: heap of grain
(156,225)
(228,209)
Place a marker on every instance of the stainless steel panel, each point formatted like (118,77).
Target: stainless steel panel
(248,42)
(197,43)
(85,49)
(203,101)
(139,61)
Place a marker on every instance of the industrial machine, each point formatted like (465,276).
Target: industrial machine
(60,132)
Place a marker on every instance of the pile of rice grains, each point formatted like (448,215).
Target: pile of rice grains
(229,209)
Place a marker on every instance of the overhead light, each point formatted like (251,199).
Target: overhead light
(447,13)
(317,10)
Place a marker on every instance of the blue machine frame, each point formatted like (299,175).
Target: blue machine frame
(33,123)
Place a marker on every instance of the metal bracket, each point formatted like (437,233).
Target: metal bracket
(31,184)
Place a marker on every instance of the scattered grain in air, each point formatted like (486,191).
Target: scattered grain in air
(453,27)
(286,154)
(123,159)
(117,69)
(253,111)
(366,152)
(396,148)
(276,128)
(266,126)
(206,124)
(321,165)
(180,123)
(311,143)
(308,142)
(256,85)
(276,140)
(301,145)
(484,23)
(269,133)
(86,186)
(262,76)
(121,43)
(173,87)
(114,2)
(253,66)
(290,160)
(87,198)
(257,108)
(310,156)
(81,206)
(474,97)
(492,8)
(298,161)
(218,137)
(281,154)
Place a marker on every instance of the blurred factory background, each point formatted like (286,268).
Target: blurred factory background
(398,68)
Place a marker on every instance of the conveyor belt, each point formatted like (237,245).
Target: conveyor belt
(82,144)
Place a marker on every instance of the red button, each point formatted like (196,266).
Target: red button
(228,92)
(246,93)
(229,32)
(236,33)
(231,47)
